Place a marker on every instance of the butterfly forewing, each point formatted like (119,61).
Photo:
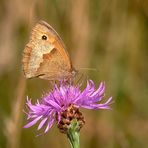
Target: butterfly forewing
(45,55)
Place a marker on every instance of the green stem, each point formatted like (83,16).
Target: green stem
(73,135)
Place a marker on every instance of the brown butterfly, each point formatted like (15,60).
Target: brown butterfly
(45,55)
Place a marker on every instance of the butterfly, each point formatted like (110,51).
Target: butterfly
(45,56)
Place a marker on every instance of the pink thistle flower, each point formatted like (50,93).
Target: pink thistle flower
(63,98)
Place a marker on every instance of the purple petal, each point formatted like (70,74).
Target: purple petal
(99,91)
(54,104)
(33,107)
(98,106)
(33,122)
(59,117)
(49,125)
(108,101)
(42,123)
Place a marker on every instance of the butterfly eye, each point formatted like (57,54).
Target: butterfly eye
(44,37)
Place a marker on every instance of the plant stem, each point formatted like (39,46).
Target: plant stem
(73,135)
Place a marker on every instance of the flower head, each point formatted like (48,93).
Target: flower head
(63,103)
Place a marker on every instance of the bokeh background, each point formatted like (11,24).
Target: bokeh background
(108,35)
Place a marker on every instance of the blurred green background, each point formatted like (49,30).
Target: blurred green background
(109,35)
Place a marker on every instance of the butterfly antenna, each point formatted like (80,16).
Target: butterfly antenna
(90,69)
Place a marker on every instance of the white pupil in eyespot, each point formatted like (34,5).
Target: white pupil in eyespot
(44,37)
